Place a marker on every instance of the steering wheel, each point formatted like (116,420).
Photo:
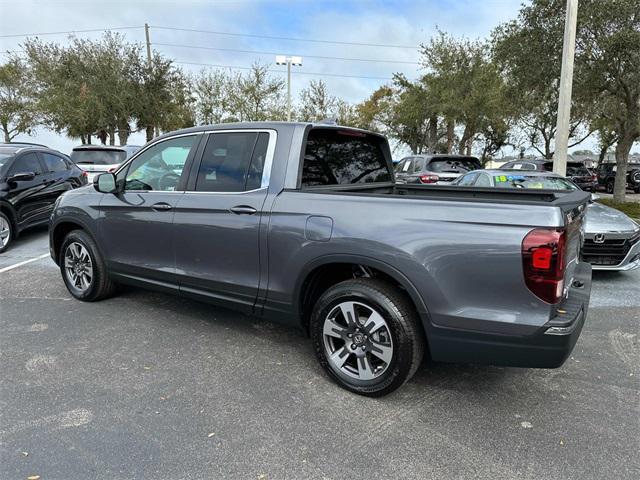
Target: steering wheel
(167,181)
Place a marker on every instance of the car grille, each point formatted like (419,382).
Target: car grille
(610,252)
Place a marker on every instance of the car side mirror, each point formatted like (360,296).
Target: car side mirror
(22,177)
(105,183)
(595,197)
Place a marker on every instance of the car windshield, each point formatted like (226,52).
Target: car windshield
(99,157)
(533,182)
(453,165)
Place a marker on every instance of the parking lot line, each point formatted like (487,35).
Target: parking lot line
(19,264)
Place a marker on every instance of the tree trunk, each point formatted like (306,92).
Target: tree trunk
(123,133)
(603,152)
(112,136)
(102,135)
(83,139)
(149,133)
(622,159)
(7,137)
(450,132)
(88,139)
(433,133)
(465,140)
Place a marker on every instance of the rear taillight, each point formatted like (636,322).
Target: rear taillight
(543,262)
(594,178)
(429,178)
(112,169)
(84,174)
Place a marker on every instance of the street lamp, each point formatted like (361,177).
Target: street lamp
(288,61)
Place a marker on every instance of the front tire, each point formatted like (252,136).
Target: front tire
(83,269)
(367,336)
(6,232)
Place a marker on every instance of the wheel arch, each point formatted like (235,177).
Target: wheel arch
(10,212)
(328,270)
(60,230)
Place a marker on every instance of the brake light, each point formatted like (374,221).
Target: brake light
(111,170)
(594,178)
(84,174)
(429,178)
(543,262)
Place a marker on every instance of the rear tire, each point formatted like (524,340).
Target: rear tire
(376,352)
(83,268)
(7,231)
(610,186)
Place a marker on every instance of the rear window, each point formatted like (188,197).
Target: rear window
(343,157)
(453,165)
(99,157)
(577,170)
(533,182)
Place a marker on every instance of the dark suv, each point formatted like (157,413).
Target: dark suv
(607,176)
(438,168)
(31,179)
(576,171)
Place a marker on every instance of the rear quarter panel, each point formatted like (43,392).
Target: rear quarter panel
(463,258)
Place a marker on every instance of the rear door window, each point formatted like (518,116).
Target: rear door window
(467,180)
(54,163)
(233,162)
(344,157)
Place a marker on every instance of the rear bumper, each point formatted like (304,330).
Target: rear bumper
(547,346)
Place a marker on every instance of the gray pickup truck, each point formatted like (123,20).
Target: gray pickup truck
(303,223)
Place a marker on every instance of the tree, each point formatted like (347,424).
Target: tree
(256,96)
(608,73)
(316,103)
(465,88)
(18,113)
(212,100)
(528,52)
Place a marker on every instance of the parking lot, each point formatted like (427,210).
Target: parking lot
(145,385)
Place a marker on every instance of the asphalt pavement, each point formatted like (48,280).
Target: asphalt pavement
(150,386)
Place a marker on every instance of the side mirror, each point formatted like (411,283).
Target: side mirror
(22,177)
(595,197)
(105,183)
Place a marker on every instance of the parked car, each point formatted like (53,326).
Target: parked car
(22,144)
(576,171)
(607,176)
(304,224)
(434,168)
(31,180)
(612,239)
(95,159)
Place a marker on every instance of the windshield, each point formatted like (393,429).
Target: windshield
(533,182)
(99,157)
(453,165)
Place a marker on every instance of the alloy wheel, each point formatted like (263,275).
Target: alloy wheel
(5,232)
(78,267)
(357,341)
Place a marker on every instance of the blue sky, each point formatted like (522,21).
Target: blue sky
(400,22)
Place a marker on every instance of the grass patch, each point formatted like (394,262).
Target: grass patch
(630,208)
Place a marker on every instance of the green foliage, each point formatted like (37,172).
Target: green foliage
(528,52)
(608,60)
(316,103)
(18,112)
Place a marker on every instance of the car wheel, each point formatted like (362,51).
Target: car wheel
(367,336)
(6,232)
(610,185)
(83,268)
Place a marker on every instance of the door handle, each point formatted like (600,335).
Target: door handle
(243,210)
(161,207)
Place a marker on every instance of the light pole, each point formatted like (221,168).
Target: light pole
(288,61)
(564,99)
